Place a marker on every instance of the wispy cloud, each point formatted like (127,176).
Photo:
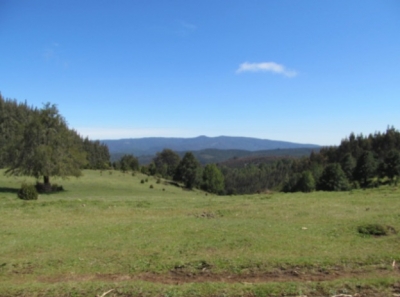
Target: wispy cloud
(266,67)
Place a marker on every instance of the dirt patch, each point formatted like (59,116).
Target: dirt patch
(180,276)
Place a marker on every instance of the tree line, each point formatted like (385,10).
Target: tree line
(38,142)
(358,162)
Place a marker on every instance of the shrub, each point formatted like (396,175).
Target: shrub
(48,188)
(151,187)
(27,192)
(375,229)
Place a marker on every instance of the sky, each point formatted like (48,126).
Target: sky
(300,71)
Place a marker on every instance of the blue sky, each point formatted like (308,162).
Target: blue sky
(300,71)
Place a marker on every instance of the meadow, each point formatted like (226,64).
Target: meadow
(116,234)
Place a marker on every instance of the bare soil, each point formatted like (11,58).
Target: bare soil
(180,276)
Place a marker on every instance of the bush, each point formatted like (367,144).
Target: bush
(375,229)
(48,188)
(27,192)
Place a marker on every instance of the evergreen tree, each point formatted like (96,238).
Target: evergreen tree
(188,171)
(333,179)
(392,165)
(306,182)
(97,154)
(213,179)
(365,168)
(128,162)
(348,164)
(166,163)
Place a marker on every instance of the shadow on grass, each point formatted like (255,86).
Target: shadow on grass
(8,190)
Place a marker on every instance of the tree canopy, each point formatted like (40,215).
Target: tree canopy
(47,147)
(188,171)
(166,162)
(213,179)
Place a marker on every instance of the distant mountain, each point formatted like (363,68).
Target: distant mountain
(152,145)
(232,158)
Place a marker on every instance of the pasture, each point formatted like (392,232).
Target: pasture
(109,231)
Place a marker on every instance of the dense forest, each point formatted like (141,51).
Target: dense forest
(37,142)
(359,161)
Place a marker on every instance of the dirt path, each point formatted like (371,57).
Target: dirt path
(177,276)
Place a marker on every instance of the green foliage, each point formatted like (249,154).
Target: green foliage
(391,167)
(27,192)
(306,182)
(188,171)
(46,147)
(97,154)
(333,179)
(213,180)
(48,188)
(348,164)
(166,163)
(365,168)
(256,178)
(128,162)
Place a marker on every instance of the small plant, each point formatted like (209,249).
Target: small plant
(28,192)
(142,181)
(158,180)
(151,186)
(375,229)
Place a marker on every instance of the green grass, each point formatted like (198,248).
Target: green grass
(111,231)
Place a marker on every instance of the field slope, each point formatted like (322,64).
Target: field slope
(111,231)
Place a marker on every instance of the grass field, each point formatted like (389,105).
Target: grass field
(108,231)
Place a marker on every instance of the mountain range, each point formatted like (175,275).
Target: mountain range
(150,146)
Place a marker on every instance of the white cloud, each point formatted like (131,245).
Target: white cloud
(266,67)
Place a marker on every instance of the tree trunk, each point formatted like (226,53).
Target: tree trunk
(46,184)
(46,180)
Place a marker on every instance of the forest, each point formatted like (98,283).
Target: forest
(38,142)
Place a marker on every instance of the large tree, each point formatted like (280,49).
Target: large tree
(213,179)
(46,147)
(166,163)
(188,171)
(365,168)
(391,166)
(129,162)
(333,178)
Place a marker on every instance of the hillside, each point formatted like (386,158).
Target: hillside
(150,146)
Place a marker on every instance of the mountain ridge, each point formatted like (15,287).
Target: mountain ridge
(152,145)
